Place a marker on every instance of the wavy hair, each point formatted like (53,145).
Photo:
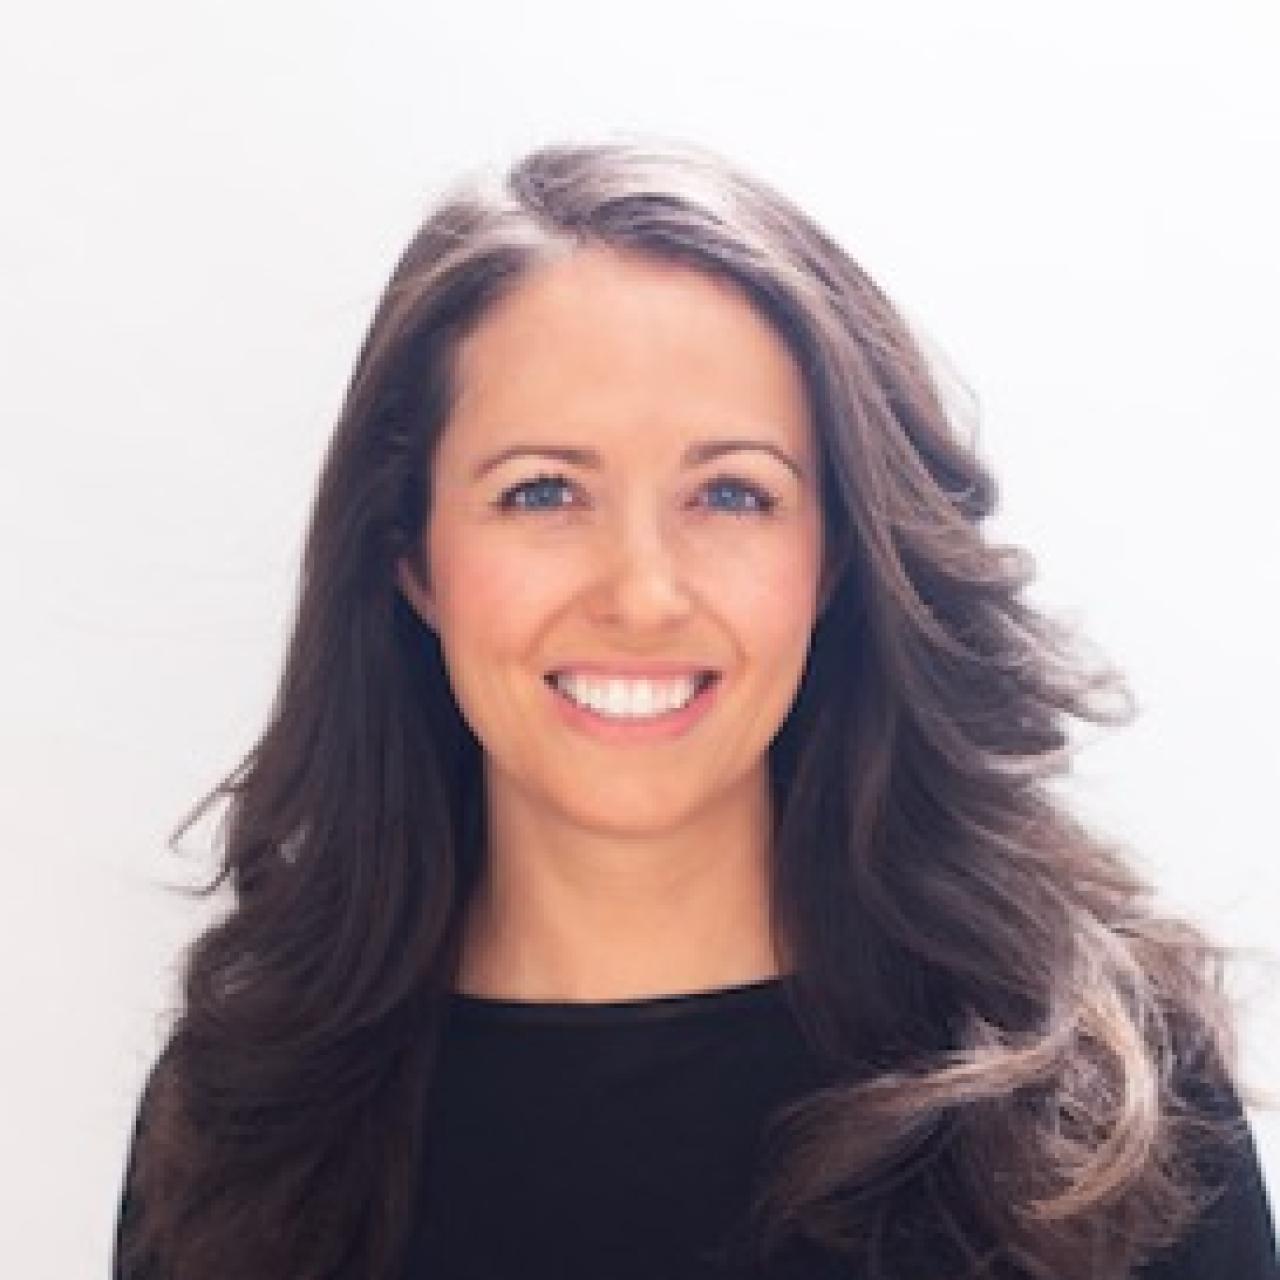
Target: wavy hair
(1019,1042)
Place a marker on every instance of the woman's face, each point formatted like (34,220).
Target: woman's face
(627,484)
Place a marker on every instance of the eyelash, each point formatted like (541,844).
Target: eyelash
(765,502)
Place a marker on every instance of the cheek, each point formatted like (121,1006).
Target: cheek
(489,604)
(772,598)
(489,595)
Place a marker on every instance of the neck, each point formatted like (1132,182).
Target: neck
(564,913)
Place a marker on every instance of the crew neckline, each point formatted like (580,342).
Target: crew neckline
(757,994)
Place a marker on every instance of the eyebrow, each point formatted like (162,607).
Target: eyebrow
(695,454)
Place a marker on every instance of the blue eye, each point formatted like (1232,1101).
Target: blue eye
(759,502)
(539,487)
(540,495)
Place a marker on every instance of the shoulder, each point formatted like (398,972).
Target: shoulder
(129,1207)
(1233,1234)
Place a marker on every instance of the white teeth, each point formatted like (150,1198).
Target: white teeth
(627,698)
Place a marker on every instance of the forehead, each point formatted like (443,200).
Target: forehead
(604,337)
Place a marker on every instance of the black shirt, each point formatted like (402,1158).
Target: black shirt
(619,1141)
(598,1140)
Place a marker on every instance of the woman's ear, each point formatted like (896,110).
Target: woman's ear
(826,589)
(835,561)
(416,590)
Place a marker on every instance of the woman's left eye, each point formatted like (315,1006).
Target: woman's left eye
(542,494)
(758,501)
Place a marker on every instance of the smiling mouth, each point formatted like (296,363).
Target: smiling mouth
(623,709)
(641,671)
(702,678)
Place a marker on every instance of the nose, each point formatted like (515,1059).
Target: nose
(641,577)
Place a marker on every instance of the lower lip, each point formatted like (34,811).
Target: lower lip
(670,724)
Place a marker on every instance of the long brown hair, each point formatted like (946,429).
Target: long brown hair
(1016,1035)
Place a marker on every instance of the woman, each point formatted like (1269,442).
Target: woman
(649,868)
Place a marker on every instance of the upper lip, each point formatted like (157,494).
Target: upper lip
(635,670)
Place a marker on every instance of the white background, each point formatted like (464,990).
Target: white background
(1078,204)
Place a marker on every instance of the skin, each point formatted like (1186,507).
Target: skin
(622,870)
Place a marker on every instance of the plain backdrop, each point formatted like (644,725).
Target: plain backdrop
(1075,205)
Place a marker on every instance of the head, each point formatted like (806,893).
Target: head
(627,481)
(637,305)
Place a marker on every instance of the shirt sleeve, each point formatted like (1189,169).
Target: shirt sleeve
(1233,1238)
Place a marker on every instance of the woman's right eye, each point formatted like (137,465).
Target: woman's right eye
(538,494)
